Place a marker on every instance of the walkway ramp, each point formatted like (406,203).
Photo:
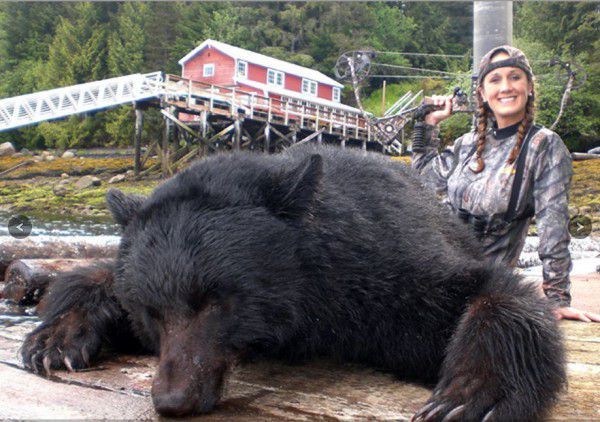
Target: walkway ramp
(76,99)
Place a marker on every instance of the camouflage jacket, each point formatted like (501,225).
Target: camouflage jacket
(545,188)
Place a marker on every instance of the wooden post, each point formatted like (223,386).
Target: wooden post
(176,136)
(165,147)
(189,96)
(252,100)
(343,143)
(317,119)
(267,137)
(203,124)
(233,108)
(302,115)
(383,99)
(320,137)
(237,134)
(269,112)
(137,141)
(286,113)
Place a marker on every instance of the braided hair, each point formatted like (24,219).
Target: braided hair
(483,114)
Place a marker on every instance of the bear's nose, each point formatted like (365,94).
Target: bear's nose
(172,403)
(177,403)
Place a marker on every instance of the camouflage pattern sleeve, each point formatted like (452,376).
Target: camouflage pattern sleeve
(552,180)
(435,167)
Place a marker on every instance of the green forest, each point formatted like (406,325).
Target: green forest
(49,45)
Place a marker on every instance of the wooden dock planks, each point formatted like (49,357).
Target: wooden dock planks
(120,387)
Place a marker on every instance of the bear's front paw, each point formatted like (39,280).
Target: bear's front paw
(461,400)
(63,343)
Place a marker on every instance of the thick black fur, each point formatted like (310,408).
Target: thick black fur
(317,251)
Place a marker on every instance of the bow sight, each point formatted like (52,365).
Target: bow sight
(389,127)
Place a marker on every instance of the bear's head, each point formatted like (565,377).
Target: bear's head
(210,270)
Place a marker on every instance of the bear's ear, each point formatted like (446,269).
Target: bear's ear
(123,207)
(295,192)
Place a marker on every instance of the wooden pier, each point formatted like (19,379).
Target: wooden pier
(208,118)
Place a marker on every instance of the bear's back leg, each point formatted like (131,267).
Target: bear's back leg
(505,360)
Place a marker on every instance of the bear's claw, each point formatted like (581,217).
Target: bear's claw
(68,364)
(444,411)
(59,345)
(454,414)
(489,416)
(419,415)
(47,363)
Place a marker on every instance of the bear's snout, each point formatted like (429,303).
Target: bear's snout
(173,403)
(185,393)
(178,403)
(192,366)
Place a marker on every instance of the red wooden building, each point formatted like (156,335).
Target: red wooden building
(217,63)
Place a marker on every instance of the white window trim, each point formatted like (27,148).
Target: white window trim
(339,94)
(275,73)
(205,69)
(237,69)
(311,84)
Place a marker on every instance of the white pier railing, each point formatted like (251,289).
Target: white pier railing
(61,102)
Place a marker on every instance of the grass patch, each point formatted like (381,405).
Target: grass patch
(37,194)
(39,197)
(585,189)
(72,166)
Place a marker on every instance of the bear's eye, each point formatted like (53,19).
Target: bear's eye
(197,301)
(153,313)
(200,298)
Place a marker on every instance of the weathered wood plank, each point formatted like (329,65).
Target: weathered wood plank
(266,390)
(271,390)
(581,331)
(26,396)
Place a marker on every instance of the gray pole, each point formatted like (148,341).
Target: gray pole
(492,26)
(137,141)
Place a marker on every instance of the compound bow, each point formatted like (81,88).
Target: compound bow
(355,67)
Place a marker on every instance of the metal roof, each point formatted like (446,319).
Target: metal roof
(262,60)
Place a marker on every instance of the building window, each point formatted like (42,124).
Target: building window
(274,77)
(208,70)
(309,87)
(336,95)
(242,69)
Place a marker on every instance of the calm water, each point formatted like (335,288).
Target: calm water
(60,225)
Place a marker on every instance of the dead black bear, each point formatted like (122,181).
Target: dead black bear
(316,251)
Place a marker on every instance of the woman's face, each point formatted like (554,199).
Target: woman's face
(506,90)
